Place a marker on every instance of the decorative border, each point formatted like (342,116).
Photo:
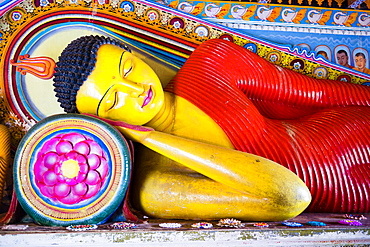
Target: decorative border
(292,15)
(6,5)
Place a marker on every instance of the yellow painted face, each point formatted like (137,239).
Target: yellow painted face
(121,87)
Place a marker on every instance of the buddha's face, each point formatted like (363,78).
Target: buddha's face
(121,87)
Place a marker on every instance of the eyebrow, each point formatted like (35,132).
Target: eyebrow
(97,109)
(120,62)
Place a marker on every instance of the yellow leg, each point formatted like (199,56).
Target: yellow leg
(164,189)
(171,195)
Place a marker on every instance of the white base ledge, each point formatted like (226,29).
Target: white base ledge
(150,234)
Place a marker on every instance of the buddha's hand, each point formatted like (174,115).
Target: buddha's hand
(135,133)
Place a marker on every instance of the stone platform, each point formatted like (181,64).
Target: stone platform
(151,234)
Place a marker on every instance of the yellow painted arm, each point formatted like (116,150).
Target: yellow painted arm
(247,173)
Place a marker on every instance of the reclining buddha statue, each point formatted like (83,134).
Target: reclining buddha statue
(231,135)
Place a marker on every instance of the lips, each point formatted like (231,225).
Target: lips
(148,97)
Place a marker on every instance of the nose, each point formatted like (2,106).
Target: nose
(133,89)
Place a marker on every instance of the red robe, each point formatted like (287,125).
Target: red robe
(319,129)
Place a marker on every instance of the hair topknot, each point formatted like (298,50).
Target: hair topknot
(75,64)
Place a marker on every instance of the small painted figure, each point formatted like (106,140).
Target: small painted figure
(342,58)
(360,61)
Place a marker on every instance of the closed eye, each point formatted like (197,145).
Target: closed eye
(127,72)
(127,67)
(109,99)
(113,98)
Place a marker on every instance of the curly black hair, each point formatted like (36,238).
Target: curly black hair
(75,64)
